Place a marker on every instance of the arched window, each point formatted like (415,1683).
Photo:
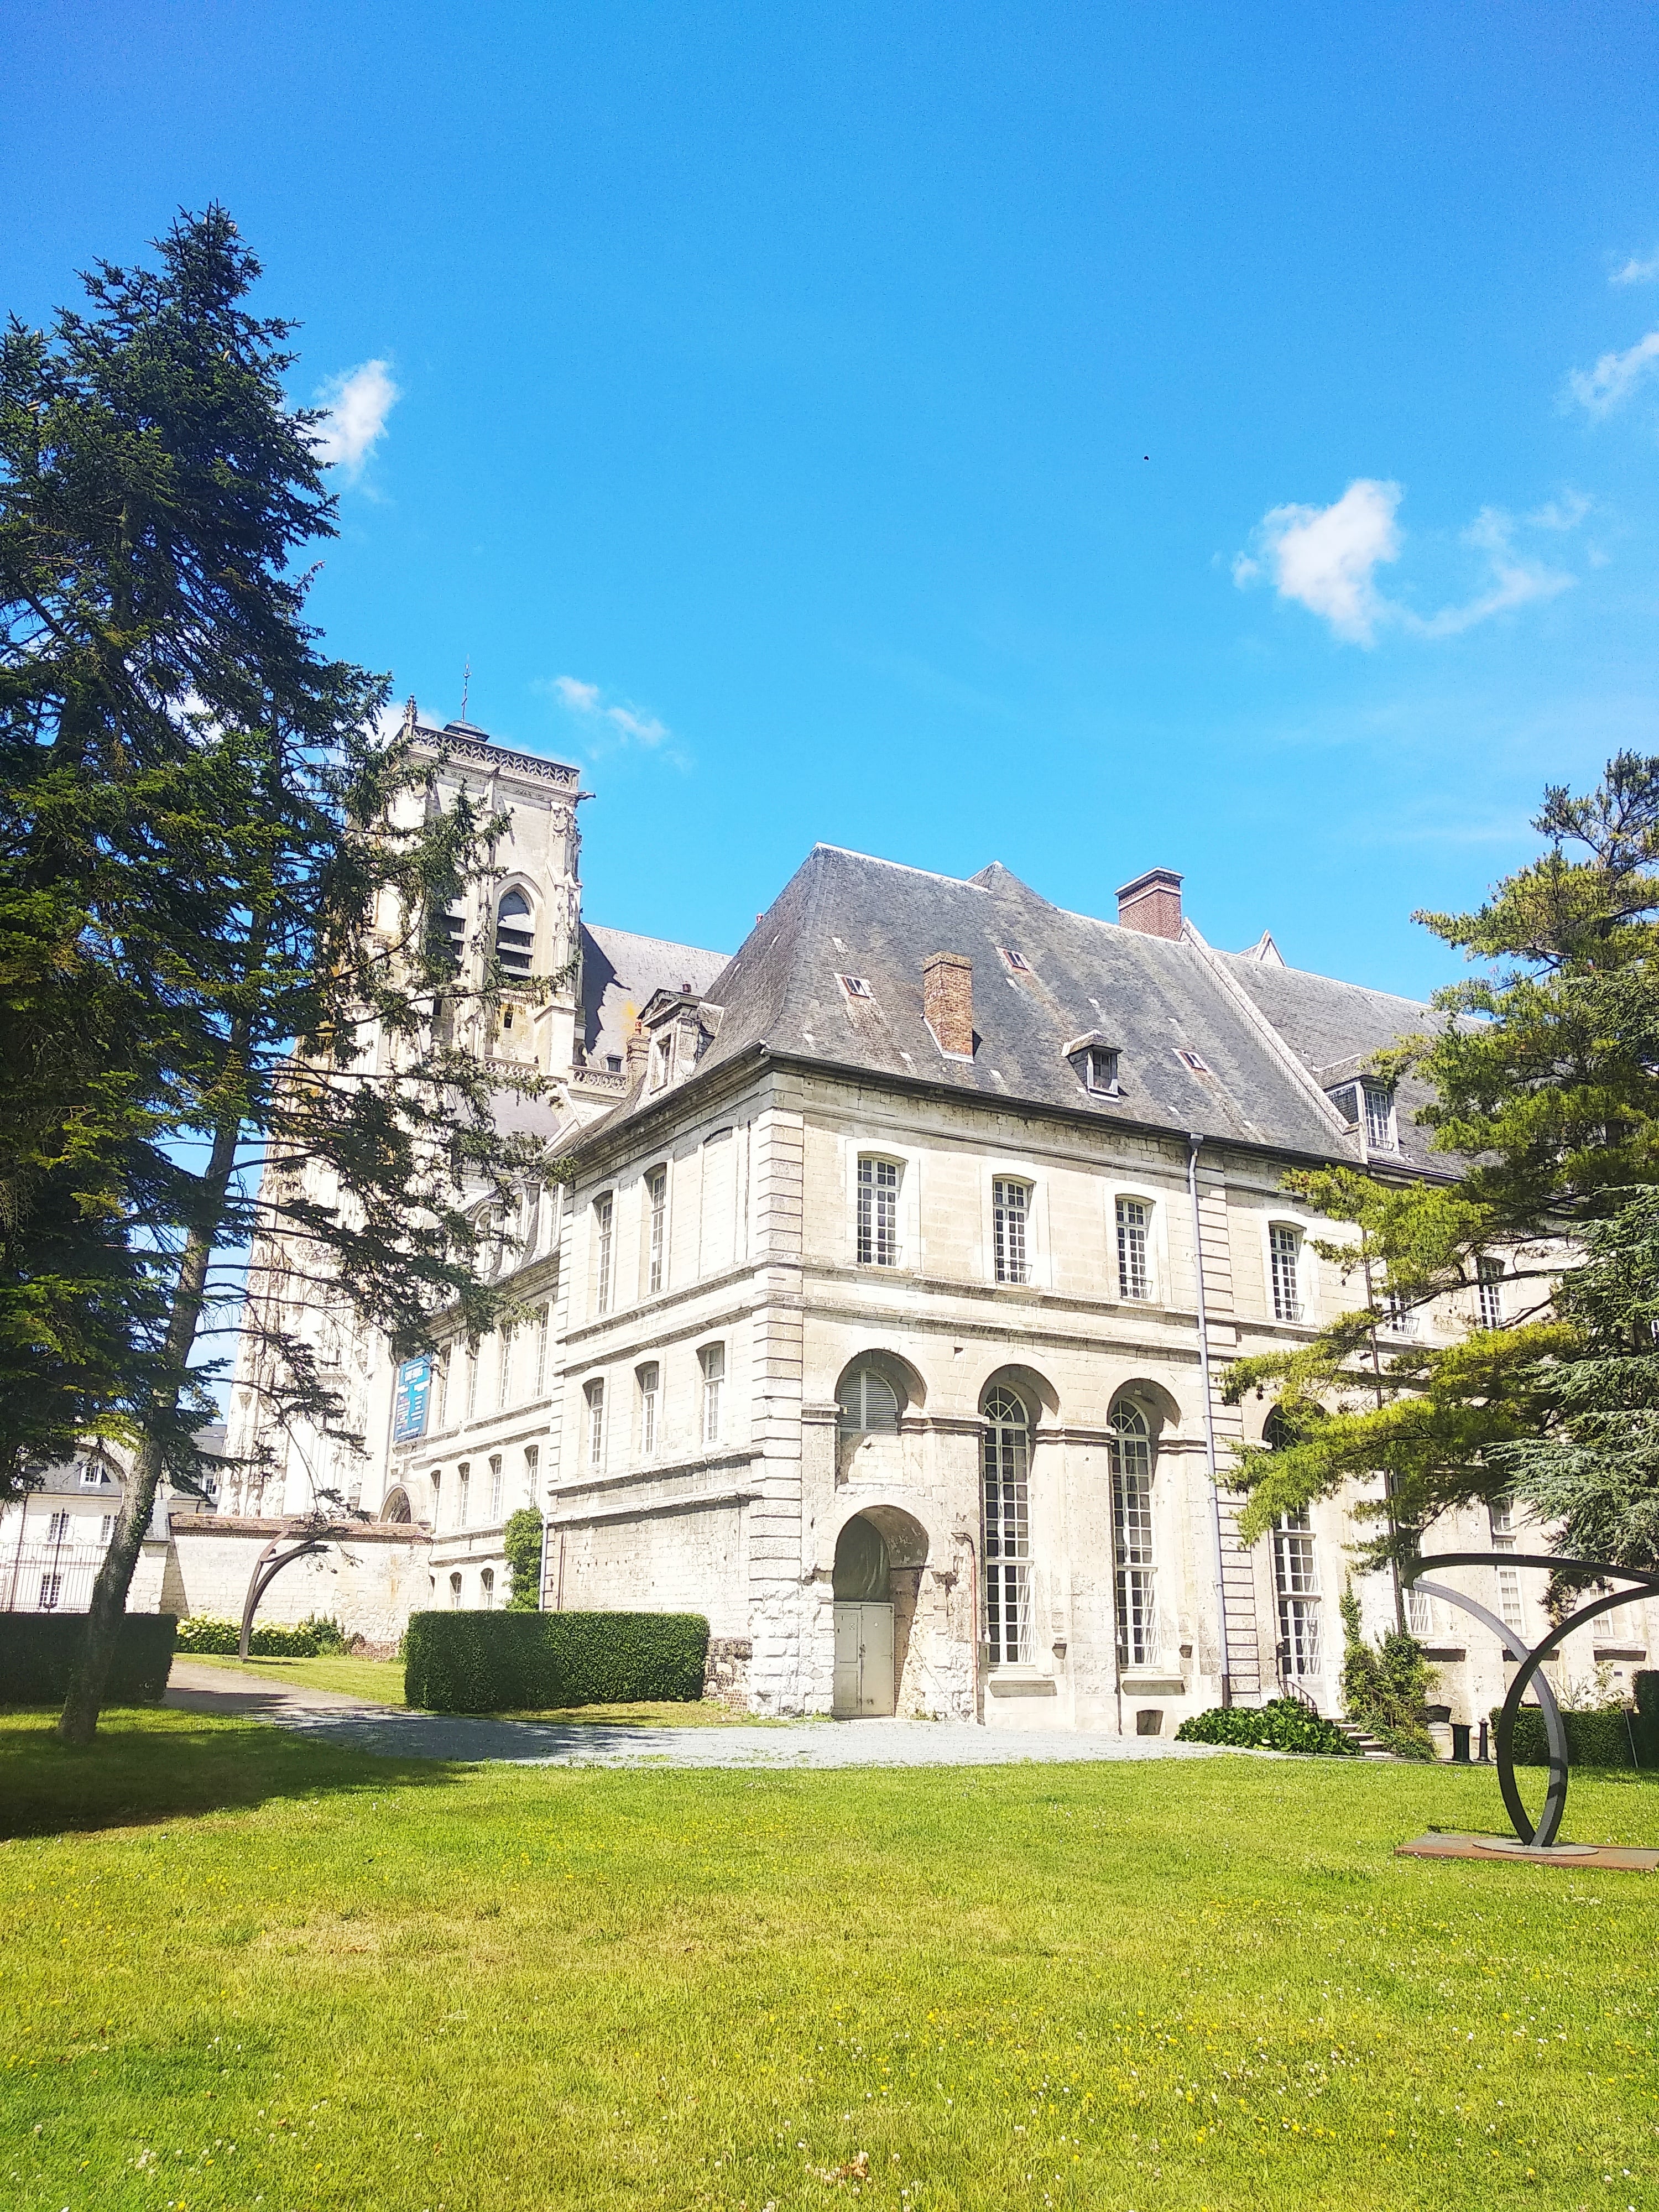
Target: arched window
(1276,1431)
(487,1588)
(1131,1534)
(869,1403)
(515,933)
(454,1593)
(877,1212)
(397,1507)
(1007,1466)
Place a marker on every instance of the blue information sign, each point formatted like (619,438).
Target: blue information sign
(410,1402)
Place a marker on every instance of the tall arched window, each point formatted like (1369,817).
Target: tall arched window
(515,933)
(1131,1534)
(869,1403)
(1007,1530)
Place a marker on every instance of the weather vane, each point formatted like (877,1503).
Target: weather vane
(466,684)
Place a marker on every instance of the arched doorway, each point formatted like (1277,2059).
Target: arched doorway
(397,1506)
(864,1684)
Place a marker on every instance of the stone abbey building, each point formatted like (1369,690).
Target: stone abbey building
(882,1322)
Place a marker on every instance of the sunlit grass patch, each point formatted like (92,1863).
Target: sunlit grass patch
(342,1982)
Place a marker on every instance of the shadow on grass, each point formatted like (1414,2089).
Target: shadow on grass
(148,1764)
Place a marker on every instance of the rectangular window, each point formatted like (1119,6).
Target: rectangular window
(57,1528)
(504,1377)
(1132,1534)
(474,1361)
(1489,1290)
(1284,1250)
(51,1588)
(1379,1117)
(92,1475)
(714,1387)
(495,1486)
(649,1376)
(1135,1278)
(541,1351)
(443,1387)
(1508,1599)
(1007,1539)
(602,1217)
(464,1495)
(1398,1318)
(879,1186)
(1010,1206)
(656,1197)
(594,1394)
(1421,1617)
(107,1529)
(1296,1578)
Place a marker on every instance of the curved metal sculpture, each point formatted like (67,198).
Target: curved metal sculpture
(313,1536)
(1542,1836)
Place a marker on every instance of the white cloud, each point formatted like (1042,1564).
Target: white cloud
(1515,580)
(1637,270)
(355,405)
(1615,376)
(1326,556)
(588,699)
(1325,559)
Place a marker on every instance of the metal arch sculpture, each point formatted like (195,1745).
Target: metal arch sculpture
(307,1536)
(1543,1835)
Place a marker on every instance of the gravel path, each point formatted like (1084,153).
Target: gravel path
(398,1733)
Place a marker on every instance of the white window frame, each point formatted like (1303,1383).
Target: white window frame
(497,1487)
(1013,1218)
(1270,1270)
(604,1250)
(867,1243)
(711,1359)
(487,1590)
(1147,1228)
(1135,1535)
(463,1495)
(1298,1589)
(654,1186)
(543,1318)
(1005,1530)
(650,1396)
(1489,1277)
(593,1415)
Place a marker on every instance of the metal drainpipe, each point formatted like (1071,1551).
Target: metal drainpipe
(1193,1145)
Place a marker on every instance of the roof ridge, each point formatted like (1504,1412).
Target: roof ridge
(850,852)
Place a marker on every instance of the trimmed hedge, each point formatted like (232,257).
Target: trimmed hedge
(270,1641)
(1609,1739)
(38,1652)
(1282,1724)
(495,1663)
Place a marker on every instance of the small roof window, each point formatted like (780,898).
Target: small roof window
(1190,1059)
(1017,961)
(855,987)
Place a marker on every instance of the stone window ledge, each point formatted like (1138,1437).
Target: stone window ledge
(1020,1682)
(1153,1682)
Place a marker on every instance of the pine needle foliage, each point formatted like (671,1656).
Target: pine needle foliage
(1539,1081)
(218,884)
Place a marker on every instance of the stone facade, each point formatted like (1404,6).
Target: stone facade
(882,1320)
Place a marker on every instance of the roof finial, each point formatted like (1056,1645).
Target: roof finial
(466,684)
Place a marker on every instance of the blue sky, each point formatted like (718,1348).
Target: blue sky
(1096,437)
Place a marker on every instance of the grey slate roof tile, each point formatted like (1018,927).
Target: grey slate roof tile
(846,913)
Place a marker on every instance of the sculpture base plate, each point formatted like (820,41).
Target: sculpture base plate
(1591,1857)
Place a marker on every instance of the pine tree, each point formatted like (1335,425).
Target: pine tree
(1541,1085)
(218,890)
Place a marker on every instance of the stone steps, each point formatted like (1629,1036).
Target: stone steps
(1365,1742)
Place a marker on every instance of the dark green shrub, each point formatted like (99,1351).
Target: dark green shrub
(38,1652)
(1645,1687)
(1603,1739)
(328,1636)
(1282,1724)
(1386,1684)
(495,1663)
(273,1641)
(201,1632)
(521,1540)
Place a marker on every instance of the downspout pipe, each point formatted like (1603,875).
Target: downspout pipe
(1195,1145)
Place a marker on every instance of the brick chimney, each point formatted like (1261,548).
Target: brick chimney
(1152,904)
(947,1001)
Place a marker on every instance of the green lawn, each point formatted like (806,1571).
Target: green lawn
(242,1969)
(382,1680)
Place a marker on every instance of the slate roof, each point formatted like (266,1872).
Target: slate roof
(845,914)
(619,974)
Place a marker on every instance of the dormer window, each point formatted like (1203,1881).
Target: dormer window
(1095,1063)
(1375,1101)
(515,933)
(855,987)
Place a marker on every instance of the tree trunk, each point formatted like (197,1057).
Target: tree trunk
(78,1722)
